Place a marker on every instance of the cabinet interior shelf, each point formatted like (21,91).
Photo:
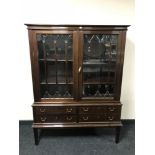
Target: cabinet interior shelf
(101,62)
(53,60)
(53,83)
(97,71)
(71,83)
(98,83)
(60,80)
(95,97)
(94,63)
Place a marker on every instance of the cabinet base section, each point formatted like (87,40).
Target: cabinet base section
(37,126)
(75,125)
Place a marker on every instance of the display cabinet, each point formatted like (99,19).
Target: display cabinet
(77,75)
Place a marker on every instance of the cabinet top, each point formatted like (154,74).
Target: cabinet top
(70,26)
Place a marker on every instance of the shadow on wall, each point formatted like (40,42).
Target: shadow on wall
(128,90)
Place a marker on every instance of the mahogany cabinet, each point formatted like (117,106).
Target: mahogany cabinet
(77,75)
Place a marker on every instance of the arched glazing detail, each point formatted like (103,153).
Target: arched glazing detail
(99,65)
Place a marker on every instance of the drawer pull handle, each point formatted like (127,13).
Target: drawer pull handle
(42,110)
(111,109)
(85,118)
(111,118)
(85,109)
(69,118)
(69,110)
(43,119)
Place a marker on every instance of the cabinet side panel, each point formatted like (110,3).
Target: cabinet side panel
(121,62)
(34,65)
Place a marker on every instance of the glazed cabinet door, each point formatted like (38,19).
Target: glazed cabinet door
(53,52)
(98,64)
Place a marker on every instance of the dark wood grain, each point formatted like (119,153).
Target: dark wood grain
(33,66)
(80,59)
(118,128)
(77,111)
(77,125)
(120,70)
(36,136)
(76,27)
(75,64)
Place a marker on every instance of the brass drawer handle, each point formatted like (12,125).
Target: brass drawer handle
(69,110)
(43,119)
(42,110)
(111,109)
(69,118)
(111,118)
(85,118)
(85,109)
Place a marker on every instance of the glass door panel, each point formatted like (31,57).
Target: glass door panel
(55,65)
(99,65)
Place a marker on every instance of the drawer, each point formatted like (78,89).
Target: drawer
(92,109)
(100,109)
(54,110)
(55,118)
(99,118)
(92,118)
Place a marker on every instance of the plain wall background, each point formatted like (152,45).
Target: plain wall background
(73,12)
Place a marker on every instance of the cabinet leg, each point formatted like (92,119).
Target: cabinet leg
(117,134)
(36,136)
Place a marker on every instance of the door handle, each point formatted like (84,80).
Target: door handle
(80,69)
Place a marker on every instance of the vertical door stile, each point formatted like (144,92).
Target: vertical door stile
(45,63)
(36,79)
(121,61)
(118,65)
(75,64)
(109,63)
(80,66)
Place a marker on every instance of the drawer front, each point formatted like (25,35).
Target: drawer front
(113,117)
(62,114)
(99,118)
(92,109)
(92,118)
(54,110)
(100,109)
(55,118)
(113,109)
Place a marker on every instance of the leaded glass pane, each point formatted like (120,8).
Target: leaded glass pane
(99,65)
(56,64)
